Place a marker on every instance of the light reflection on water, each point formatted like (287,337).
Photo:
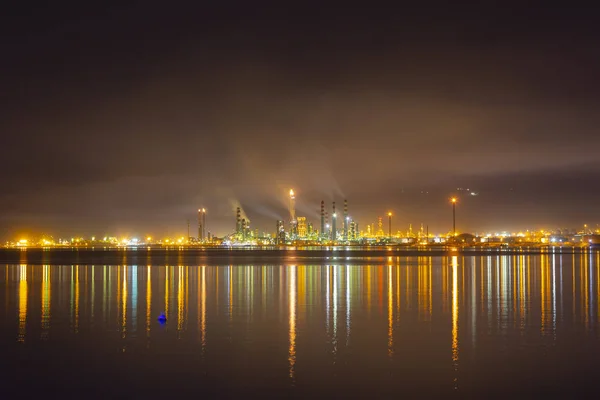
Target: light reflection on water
(449,318)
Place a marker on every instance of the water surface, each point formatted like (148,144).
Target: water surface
(490,326)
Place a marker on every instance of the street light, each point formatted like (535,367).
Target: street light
(390,224)
(453,200)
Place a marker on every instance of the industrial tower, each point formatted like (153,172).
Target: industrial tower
(380,227)
(280,233)
(201,224)
(293,230)
(292,206)
(333,219)
(322,219)
(346,236)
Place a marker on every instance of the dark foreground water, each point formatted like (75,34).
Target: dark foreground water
(403,327)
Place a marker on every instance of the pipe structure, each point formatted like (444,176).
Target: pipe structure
(345,219)
(199,224)
(203,224)
(333,220)
(322,218)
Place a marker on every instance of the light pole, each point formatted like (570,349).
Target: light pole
(453,200)
(390,224)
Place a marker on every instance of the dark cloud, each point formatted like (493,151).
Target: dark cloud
(130,118)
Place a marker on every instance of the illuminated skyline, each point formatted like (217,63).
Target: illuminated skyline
(438,228)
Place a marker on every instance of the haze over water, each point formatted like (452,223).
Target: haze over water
(458,325)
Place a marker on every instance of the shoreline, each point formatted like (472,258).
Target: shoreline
(195,256)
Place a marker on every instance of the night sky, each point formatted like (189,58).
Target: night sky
(126,119)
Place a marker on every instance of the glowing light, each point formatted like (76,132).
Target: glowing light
(292,322)
(203,324)
(180,300)
(390,313)
(46,297)
(453,200)
(76,323)
(455,348)
(22,302)
(148,239)
(389,214)
(148,299)
(291,192)
(124,304)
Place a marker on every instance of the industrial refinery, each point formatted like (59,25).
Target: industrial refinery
(298,230)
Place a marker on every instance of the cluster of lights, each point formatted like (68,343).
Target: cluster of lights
(542,236)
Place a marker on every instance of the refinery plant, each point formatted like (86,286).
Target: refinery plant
(299,231)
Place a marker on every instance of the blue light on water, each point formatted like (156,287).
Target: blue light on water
(162,318)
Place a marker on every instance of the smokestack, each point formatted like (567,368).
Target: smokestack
(346,219)
(333,220)
(292,206)
(200,226)
(322,218)
(203,223)
(238,221)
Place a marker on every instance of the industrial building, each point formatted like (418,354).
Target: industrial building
(201,225)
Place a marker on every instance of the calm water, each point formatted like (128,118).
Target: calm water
(402,327)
